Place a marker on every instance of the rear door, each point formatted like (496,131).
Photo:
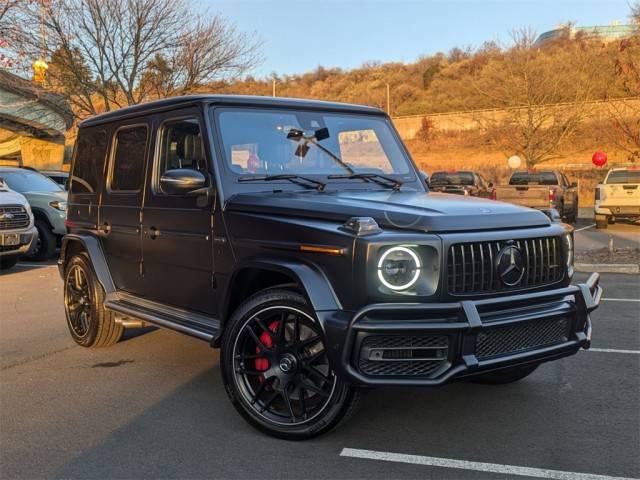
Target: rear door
(120,209)
(527,195)
(87,170)
(177,234)
(622,188)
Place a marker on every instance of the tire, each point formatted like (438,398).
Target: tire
(601,222)
(611,220)
(279,379)
(503,377)
(8,262)
(89,323)
(45,244)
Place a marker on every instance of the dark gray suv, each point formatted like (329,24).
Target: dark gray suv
(299,237)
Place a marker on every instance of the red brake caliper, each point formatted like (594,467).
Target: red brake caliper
(262,364)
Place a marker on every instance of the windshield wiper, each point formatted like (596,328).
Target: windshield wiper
(372,177)
(298,135)
(297,179)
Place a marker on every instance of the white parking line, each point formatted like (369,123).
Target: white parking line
(621,299)
(475,466)
(614,350)
(584,228)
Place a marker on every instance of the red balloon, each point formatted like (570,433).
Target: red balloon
(599,158)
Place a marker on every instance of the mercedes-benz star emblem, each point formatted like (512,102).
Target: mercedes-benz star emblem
(510,265)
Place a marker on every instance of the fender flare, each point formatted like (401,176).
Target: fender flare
(91,245)
(315,285)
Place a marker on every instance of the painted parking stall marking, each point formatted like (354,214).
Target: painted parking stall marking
(585,228)
(614,350)
(621,299)
(474,466)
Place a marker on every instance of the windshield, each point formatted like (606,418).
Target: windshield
(624,176)
(533,178)
(452,178)
(299,142)
(28,181)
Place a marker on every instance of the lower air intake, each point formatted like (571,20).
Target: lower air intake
(511,339)
(403,355)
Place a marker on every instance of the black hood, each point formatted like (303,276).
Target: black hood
(410,210)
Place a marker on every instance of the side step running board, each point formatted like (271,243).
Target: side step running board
(195,325)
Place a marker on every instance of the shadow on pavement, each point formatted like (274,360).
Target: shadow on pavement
(196,433)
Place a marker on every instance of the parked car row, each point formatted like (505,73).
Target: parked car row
(32,213)
(543,190)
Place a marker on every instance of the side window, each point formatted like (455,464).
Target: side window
(127,167)
(91,151)
(180,146)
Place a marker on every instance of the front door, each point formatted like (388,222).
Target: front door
(177,234)
(119,215)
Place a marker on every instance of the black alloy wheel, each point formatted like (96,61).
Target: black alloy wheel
(90,324)
(277,371)
(77,300)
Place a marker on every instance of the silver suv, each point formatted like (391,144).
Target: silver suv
(17,230)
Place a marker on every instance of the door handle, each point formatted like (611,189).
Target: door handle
(105,228)
(154,232)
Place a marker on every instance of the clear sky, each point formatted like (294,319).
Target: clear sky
(302,34)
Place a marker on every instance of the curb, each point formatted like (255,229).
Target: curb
(607,267)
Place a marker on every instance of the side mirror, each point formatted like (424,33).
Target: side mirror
(574,185)
(490,185)
(181,181)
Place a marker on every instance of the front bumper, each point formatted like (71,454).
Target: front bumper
(26,241)
(433,344)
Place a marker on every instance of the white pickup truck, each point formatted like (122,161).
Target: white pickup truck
(618,197)
(17,230)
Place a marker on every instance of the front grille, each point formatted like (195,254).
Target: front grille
(510,339)
(471,267)
(12,217)
(403,355)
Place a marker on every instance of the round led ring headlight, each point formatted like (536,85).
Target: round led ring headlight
(399,268)
(568,238)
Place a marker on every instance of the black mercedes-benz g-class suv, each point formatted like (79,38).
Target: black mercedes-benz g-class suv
(298,237)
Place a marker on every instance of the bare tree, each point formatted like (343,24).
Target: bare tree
(112,53)
(527,83)
(624,114)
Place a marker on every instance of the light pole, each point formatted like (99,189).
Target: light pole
(388,101)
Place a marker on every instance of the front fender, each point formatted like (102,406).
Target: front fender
(314,283)
(91,246)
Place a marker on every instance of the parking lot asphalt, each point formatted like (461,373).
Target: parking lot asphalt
(588,237)
(153,406)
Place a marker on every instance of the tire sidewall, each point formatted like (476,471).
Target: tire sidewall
(47,242)
(341,397)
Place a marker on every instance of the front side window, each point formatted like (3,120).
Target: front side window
(128,159)
(180,147)
(91,151)
(299,142)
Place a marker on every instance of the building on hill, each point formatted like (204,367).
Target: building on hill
(33,125)
(606,33)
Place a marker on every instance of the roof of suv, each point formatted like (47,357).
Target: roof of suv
(231,100)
